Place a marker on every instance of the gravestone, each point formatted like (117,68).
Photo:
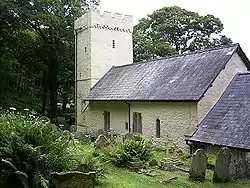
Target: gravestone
(101,142)
(135,164)
(222,166)
(241,168)
(72,180)
(100,131)
(129,136)
(197,171)
(153,163)
(73,128)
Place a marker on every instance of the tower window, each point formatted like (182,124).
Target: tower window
(113,44)
(158,128)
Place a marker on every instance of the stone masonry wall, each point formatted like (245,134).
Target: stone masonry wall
(176,118)
(102,41)
(234,66)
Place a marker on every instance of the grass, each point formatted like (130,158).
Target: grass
(123,178)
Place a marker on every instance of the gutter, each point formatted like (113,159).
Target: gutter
(76,34)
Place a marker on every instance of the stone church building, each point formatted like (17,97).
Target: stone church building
(163,99)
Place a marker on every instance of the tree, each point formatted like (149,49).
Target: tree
(175,30)
(52,22)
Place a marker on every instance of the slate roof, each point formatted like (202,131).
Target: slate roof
(228,122)
(177,78)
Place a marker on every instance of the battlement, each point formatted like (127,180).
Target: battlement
(107,20)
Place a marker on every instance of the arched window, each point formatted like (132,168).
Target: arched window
(158,128)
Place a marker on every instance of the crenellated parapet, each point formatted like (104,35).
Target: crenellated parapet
(107,21)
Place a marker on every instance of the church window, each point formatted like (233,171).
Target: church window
(106,120)
(158,128)
(113,44)
(126,125)
(137,122)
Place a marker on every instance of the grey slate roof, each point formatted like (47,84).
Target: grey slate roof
(177,78)
(228,122)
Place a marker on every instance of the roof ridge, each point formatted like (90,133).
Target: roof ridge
(181,55)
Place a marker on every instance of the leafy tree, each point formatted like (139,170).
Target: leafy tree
(52,23)
(175,30)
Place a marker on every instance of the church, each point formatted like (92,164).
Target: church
(164,99)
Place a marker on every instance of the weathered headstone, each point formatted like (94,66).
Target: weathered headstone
(240,169)
(135,164)
(72,180)
(100,131)
(101,142)
(129,136)
(73,128)
(153,163)
(197,171)
(222,166)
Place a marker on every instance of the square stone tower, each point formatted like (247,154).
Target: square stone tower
(101,41)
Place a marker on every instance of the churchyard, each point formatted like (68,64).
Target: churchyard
(33,154)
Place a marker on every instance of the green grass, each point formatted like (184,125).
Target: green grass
(124,178)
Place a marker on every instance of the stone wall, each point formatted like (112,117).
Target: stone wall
(102,41)
(234,66)
(177,119)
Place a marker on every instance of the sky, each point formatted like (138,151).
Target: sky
(235,15)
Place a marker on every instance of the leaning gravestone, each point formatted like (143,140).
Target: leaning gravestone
(101,142)
(241,168)
(129,136)
(198,166)
(222,166)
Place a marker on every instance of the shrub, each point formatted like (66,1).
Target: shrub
(137,147)
(33,149)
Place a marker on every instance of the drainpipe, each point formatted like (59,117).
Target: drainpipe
(76,34)
(129,124)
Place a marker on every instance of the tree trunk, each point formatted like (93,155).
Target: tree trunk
(45,91)
(53,70)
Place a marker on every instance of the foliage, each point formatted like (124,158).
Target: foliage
(37,51)
(33,149)
(137,147)
(172,30)
(211,161)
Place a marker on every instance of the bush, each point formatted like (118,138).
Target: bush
(30,147)
(137,147)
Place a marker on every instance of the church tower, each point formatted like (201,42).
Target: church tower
(101,41)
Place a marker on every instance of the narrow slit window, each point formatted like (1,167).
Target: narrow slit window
(113,44)
(85,49)
(106,120)
(126,125)
(158,128)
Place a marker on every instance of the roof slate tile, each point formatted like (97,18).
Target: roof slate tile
(177,78)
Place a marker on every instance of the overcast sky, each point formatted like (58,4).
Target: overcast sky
(235,15)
